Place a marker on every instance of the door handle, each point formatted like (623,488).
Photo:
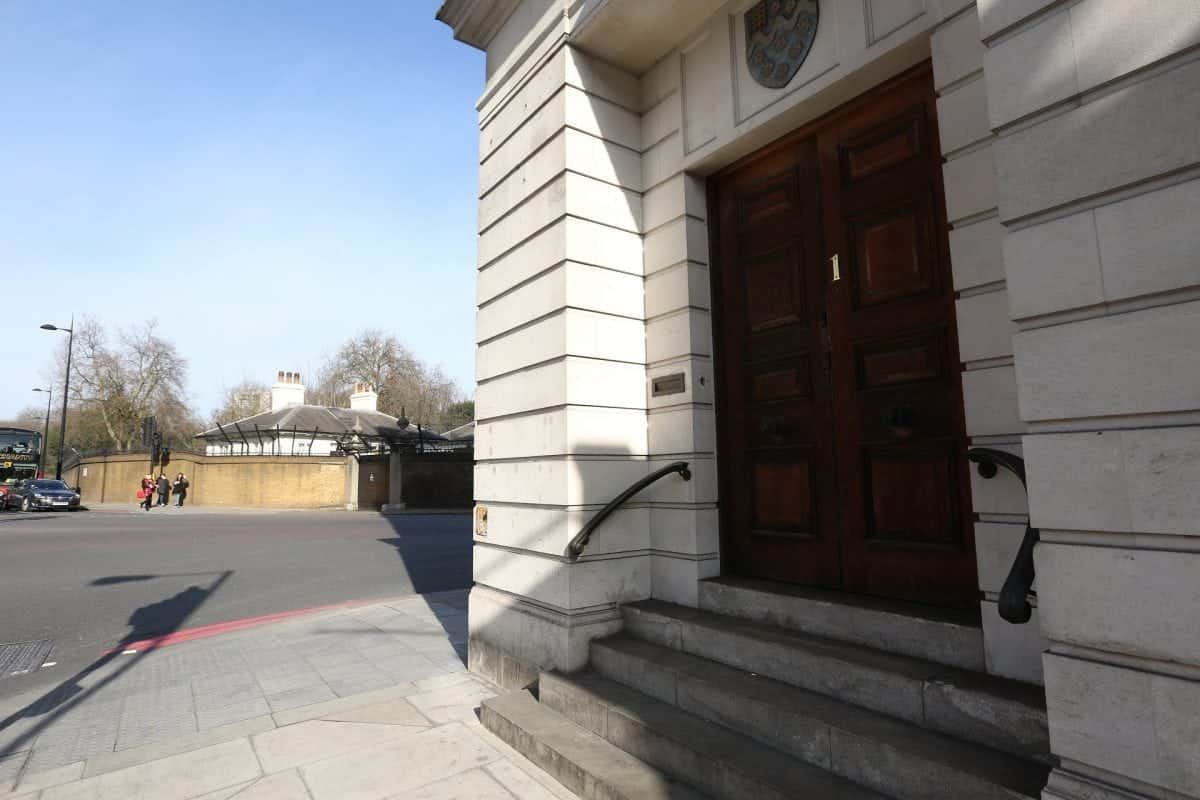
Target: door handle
(837,271)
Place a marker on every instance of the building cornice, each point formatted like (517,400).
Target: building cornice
(475,22)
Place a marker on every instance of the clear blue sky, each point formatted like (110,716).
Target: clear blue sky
(264,177)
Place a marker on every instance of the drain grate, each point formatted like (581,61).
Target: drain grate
(20,658)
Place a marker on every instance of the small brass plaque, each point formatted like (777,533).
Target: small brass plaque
(481,520)
(667,384)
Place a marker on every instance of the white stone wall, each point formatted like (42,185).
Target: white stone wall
(270,446)
(561,360)
(681,426)
(985,329)
(1095,107)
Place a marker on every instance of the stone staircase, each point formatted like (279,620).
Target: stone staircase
(770,693)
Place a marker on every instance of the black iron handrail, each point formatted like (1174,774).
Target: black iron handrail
(1014,604)
(576,546)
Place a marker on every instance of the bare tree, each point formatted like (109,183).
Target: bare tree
(403,382)
(30,418)
(116,381)
(456,414)
(243,400)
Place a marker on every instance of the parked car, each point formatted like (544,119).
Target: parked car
(42,494)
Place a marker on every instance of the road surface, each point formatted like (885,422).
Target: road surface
(92,581)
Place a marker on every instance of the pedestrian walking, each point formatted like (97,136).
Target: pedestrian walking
(180,489)
(164,489)
(146,493)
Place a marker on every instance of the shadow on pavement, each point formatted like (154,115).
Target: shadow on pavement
(147,622)
(16,516)
(450,569)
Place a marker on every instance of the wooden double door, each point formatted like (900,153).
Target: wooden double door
(842,442)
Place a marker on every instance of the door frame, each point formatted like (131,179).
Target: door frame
(720,358)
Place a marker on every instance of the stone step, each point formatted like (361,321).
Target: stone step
(949,637)
(995,712)
(722,763)
(580,760)
(863,746)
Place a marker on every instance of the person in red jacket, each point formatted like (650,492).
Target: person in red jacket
(147,492)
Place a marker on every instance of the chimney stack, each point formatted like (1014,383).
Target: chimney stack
(288,391)
(364,398)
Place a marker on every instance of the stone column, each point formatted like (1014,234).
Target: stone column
(395,501)
(560,401)
(1095,106)
(684,533)
(351,483)
(985,331)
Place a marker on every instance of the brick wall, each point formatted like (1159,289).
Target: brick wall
(235,481)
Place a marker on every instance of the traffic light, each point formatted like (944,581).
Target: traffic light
(155,447)
(165,456)
(149,428)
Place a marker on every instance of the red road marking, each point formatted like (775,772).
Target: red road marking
(217,628)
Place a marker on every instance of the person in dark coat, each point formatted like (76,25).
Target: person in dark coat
(180,488)
(164,489)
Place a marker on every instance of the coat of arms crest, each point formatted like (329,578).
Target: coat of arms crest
(779,34)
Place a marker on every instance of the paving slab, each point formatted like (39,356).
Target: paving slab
(475,784)
(318,710)
(10,768)
(517,780)
(111,762)
(302,696)
(156,715)
(455,702)
(224,794)
(393,768)
(316,739)
(174,778)
(227,715)
(41,780)
(281,786)
(394,712)
(220,691)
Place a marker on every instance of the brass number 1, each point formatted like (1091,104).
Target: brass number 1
(837,273)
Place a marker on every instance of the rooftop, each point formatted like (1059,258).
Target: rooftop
(324,421)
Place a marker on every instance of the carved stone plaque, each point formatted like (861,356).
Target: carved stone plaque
(779,35)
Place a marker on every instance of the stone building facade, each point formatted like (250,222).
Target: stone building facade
(627,159)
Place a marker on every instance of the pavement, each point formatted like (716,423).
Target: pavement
(134,508)
(88,582)
(368,701)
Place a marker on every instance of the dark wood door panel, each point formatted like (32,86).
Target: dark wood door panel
(890,255)
(900,441)
(878,148)
(775,426)
(912,497)
(839,397)
(784,496)
(774,289)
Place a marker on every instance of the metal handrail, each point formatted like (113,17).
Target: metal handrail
(1014,603)
(576,546)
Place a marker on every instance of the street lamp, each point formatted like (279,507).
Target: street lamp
(45,432)
(62,428)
